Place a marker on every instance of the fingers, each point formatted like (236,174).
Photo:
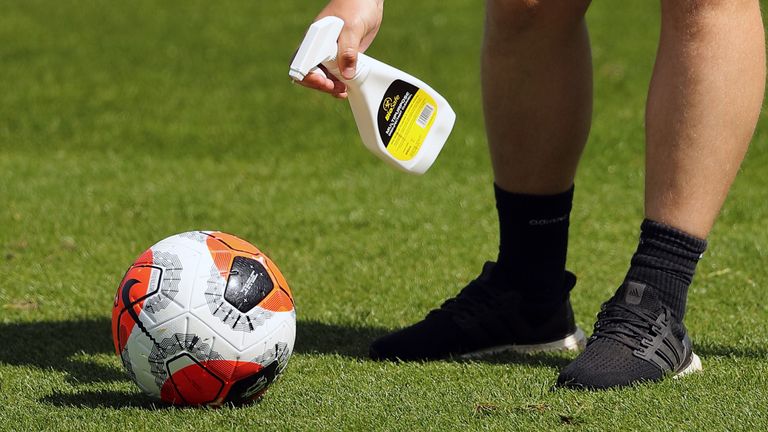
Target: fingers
(329,84)
(349,46)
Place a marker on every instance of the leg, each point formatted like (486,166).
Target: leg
(703,106)
(537,96)
(537,92)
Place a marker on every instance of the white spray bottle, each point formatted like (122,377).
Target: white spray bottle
(401,119)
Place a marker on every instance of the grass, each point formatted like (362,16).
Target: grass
(122,123)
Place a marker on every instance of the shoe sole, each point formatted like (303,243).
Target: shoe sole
(693,367)
(573,342)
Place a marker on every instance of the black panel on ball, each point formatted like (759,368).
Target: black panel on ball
(248,284)
(252,388)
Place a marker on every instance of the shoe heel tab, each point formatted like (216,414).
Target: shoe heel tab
(569,281)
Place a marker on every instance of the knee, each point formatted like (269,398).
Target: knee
(519,16)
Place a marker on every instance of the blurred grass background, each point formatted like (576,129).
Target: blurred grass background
(123,123)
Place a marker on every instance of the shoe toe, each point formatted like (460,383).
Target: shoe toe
(430,339)
(606,364)
(383,349)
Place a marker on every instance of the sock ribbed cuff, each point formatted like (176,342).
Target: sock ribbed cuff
(666,259)
(534,209)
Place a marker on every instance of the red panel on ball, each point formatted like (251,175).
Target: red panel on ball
(197,383)
(136,281)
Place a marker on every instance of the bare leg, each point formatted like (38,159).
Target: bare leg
(703,105)
(537,92)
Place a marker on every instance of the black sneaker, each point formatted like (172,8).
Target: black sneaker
(486,319)
(636,339)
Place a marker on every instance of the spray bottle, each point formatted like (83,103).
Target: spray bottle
(401,119)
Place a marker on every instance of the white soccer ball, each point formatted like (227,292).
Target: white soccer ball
(204,318)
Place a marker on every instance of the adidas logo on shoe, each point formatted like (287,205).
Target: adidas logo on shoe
(634,293)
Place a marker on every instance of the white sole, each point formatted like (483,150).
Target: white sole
(693,367)
(574,342)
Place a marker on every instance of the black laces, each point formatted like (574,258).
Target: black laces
(632,327)
(477,298)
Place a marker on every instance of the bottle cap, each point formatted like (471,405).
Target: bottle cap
(319,46)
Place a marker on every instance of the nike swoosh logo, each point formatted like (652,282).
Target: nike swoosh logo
(125,293)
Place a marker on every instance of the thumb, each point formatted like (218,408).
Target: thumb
(349,45)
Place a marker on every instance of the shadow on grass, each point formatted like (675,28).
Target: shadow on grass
(315,337)
(54,345)
(105,399)
(57,346)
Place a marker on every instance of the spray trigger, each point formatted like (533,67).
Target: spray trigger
(320,45)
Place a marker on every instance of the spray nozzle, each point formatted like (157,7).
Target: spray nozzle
(319,45)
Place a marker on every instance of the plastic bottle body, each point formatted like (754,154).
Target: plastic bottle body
(401,119)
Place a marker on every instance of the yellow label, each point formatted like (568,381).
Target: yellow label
(413,125)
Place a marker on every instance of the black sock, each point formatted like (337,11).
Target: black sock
(666,260)
(533,241)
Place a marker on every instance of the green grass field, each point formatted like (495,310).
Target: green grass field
(124,122)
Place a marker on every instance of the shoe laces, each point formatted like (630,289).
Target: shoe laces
(633,327)
(478,297)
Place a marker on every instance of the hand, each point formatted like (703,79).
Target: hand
(362,19)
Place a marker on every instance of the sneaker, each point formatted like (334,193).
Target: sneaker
(636,339)
(486,319)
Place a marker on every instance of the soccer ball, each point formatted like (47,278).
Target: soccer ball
(203,318)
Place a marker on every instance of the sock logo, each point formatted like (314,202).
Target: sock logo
(634,293)
(535,222)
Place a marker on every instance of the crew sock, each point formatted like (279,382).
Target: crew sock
(666,260)
(533,241)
